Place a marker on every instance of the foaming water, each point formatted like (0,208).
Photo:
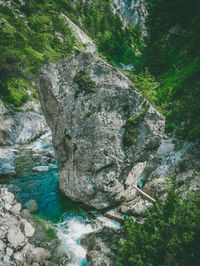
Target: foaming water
(69,219)
(70,230)
(72,227)
(43,142)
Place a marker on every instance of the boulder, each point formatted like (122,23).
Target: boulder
(9,251)
(31,205)
(16,235)
(140,207)
(102,246)
(20,127)
(27,228)
(16,208)
(2,245)
(96,258)
(19,257)
(38,255)
(16,239)
(41,168)
(101,127)
(7,196)
(123,209)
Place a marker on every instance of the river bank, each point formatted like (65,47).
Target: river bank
(36,178)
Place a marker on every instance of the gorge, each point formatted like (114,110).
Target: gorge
(98,98)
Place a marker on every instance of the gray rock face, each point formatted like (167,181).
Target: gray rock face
(16,239)
(183,163)
(27,228)
(81,36)
(102,246)
(131,11)
(101,126)
(7,157)
(20,127)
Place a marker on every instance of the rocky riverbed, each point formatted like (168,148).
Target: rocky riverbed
(81,233)
(19,243)
(38,192)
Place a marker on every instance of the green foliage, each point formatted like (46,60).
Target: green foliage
(146,83)
(85,83)
(131,131)
(179,96)
(15,91)
(106,152)
(172,54)
(29,42)
(106,29)
(43,35)
(169,235)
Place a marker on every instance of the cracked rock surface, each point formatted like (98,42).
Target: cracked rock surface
(102,127)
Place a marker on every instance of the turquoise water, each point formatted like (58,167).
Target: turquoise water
(43,187)
(70,219)
(54,207)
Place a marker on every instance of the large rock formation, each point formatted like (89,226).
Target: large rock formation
(20,127)
(102,127)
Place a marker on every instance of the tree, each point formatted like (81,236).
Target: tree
(169,235)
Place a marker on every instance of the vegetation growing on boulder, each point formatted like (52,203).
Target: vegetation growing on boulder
(85,84)
(131,131)
(145,82)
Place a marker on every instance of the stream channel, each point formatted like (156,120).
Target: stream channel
(70,220)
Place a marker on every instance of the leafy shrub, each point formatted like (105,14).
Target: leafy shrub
(169,234)
(172,54)
(16,91)
(146,84)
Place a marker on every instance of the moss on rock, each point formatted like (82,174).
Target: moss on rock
(131,131)
(85,83)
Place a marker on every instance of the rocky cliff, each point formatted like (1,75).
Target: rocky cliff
(102,128)
(20,127)
(131,11)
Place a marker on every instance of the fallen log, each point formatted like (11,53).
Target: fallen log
(144,194)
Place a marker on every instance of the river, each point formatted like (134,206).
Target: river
(70,220)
